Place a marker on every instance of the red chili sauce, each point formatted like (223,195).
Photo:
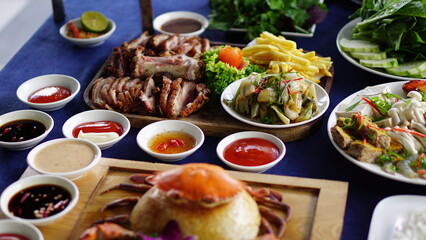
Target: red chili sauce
(98,127)
(251,152)
(12,236)
(49,94)
(171,142)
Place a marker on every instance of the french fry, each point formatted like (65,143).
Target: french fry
(282,55)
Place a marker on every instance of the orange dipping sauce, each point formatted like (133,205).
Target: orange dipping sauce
(49,94)
(98,127)
(251,152)
(171,142)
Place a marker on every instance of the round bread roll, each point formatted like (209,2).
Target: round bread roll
(236,219)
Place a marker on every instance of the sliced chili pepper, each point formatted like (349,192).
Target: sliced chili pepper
(372,105)
(258,88)
(409,131)
(419,159)
(421,171)
(290,92)
(74,29)
(177,142)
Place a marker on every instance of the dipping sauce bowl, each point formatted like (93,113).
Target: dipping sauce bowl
(9,227)
(65,157)
(30,208)
(251,151)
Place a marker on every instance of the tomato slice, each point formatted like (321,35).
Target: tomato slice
(231,55)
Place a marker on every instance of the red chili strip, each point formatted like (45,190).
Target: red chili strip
(74,29)
(290,92)
(372,105)
(419,159)
(409,131)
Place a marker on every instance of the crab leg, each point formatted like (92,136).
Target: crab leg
(273,218)
(142,188)
(265,226)
(265,193)
(107,231)
(120,202)
(141,178)
(275,204)
(120,219)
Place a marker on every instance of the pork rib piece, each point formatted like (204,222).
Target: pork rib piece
(180,66)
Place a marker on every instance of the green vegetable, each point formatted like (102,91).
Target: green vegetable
(273,16)
(218,75)
(398,26)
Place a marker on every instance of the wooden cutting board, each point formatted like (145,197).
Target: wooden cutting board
(318,206)
(214,121)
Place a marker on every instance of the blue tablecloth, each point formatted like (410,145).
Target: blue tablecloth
(313,157)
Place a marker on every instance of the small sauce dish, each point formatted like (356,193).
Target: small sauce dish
(65,157)
(12,130)
(87,42)
(184,23)
(251,151)
(46,83)
(24,229)
(177,131)
(97,117)
(56,209)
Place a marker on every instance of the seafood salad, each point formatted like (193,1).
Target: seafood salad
(276,98)
(383,128)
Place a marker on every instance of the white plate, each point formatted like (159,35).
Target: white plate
(229,92)
(396,88)
(390,212)
(346,32)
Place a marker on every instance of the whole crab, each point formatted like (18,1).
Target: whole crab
(204,200)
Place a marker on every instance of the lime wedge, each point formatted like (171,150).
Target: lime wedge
(94,21)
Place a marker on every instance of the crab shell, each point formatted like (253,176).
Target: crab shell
(204,200)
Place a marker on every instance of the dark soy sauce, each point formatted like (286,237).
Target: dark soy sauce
(21,130)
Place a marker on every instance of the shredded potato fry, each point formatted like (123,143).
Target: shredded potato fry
(282,55)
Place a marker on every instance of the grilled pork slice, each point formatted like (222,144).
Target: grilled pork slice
(164,95)
(147,97)
(180,66)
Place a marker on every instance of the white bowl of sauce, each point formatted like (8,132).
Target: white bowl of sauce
(251,151)
(170,140)
(39,199)
(184,23)
(48,92)
(23,129)
(18,230)
(102,127)
(70,158)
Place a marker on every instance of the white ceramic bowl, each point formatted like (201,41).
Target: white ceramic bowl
(165,17)
(40,116)
(22,228)
(70,174)
(97,115)
(30,86)
(35,180)
(87,42)
(149,131)
(250,134)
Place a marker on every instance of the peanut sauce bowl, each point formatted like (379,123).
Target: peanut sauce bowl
(246,156)
(48,83)
(55,209)
(18,228)
(23,137)
(166,18)
(147,134)
(87,42)
(94,116)
(64,157)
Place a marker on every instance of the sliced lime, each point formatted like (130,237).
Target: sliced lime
(94,21)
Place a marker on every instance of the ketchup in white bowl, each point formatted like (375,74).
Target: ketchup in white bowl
(251,152)
(98,131)
(49,94)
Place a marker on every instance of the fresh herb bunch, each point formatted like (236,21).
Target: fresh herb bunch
(399,26)
(273,16)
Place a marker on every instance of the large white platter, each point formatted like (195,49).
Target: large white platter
(396,88)
(346,32)
(391,212)
(229,93)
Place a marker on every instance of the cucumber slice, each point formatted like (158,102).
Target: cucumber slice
(408,69)
(353,45)
(386,63)
(369,55)
(419,75)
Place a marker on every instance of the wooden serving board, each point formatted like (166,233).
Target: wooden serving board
(318,206)
(214,121)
